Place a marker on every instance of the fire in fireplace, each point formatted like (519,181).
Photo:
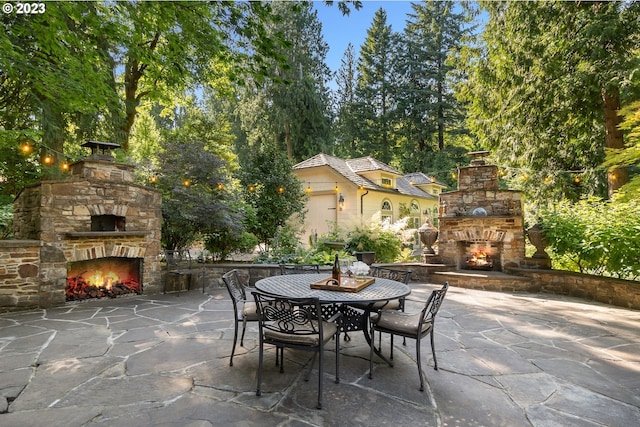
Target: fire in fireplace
(479,261)
(103,277)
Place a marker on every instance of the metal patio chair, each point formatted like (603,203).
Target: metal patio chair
(414,326)
(295,323)
(244,310)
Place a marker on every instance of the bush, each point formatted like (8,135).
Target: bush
(595,237)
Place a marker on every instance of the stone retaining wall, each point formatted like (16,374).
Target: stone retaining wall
(608,290)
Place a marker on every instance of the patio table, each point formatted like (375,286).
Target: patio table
(299,286)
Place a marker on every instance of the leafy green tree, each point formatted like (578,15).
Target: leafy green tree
(273,192)
(544,91)
(199,197)
(376,89)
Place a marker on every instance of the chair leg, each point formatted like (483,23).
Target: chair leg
(419,364)
(244,328)
(373,343)
(313,362)
(391,351)
(235,339)
(338,357)
(433,351)
(320,371)
(260,362)
(281,358)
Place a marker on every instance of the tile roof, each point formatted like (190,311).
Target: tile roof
(350,170)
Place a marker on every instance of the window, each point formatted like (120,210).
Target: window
(387,211)
(414,220)
(386,182)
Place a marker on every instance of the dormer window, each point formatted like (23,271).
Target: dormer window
(386,182)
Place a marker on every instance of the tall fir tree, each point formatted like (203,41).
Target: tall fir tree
(427,106)
(346,80)
(376,91)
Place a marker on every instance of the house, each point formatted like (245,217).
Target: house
(346,193)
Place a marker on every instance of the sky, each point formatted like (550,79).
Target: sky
(339,30)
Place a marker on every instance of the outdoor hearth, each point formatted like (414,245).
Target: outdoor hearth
(481,227)
(105,226)
(104,277)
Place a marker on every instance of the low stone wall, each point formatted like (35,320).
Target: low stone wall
(608,290)
(32,275)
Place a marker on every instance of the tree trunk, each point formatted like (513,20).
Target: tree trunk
(616,177)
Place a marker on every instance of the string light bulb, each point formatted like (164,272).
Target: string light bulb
(26,148)
(47,160)
(65,166)
(220,186)
(153,179)
(252,188)
(281,189)
(576,179)
(186,182)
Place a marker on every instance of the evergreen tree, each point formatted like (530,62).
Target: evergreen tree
(290,107)
(346,80)
(427,104)
(545,90)
(375,92)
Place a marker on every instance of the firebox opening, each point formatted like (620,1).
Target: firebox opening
(480,256)
(104,277)
(107,223)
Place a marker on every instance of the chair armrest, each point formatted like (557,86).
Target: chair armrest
(337,315)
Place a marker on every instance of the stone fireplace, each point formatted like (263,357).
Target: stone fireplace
(481,226)
(105,226)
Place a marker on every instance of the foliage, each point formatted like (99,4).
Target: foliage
(6,217)
(630,155)
(381,239)
(289,104)
(434,33)
(375,103)
(273,192)
(198,196)
(596,237)
(537,90)
(223,243)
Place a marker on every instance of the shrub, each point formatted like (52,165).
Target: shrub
(595,237)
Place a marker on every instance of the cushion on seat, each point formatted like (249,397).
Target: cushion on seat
(250,311)
(387,305)
(395,321)
(329,329)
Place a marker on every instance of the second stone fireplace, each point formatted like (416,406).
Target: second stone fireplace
(101,223)
(481,226)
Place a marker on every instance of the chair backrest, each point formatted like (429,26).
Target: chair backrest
(403,276)
(299,268)
(433,304)
(177,258)
(234,286)
(295,317)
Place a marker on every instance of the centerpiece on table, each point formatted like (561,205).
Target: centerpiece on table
(359,270)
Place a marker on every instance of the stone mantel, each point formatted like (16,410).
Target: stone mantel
(104,234)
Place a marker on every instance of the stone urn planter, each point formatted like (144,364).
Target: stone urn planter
(428,236)
(539,240)
(366,257)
